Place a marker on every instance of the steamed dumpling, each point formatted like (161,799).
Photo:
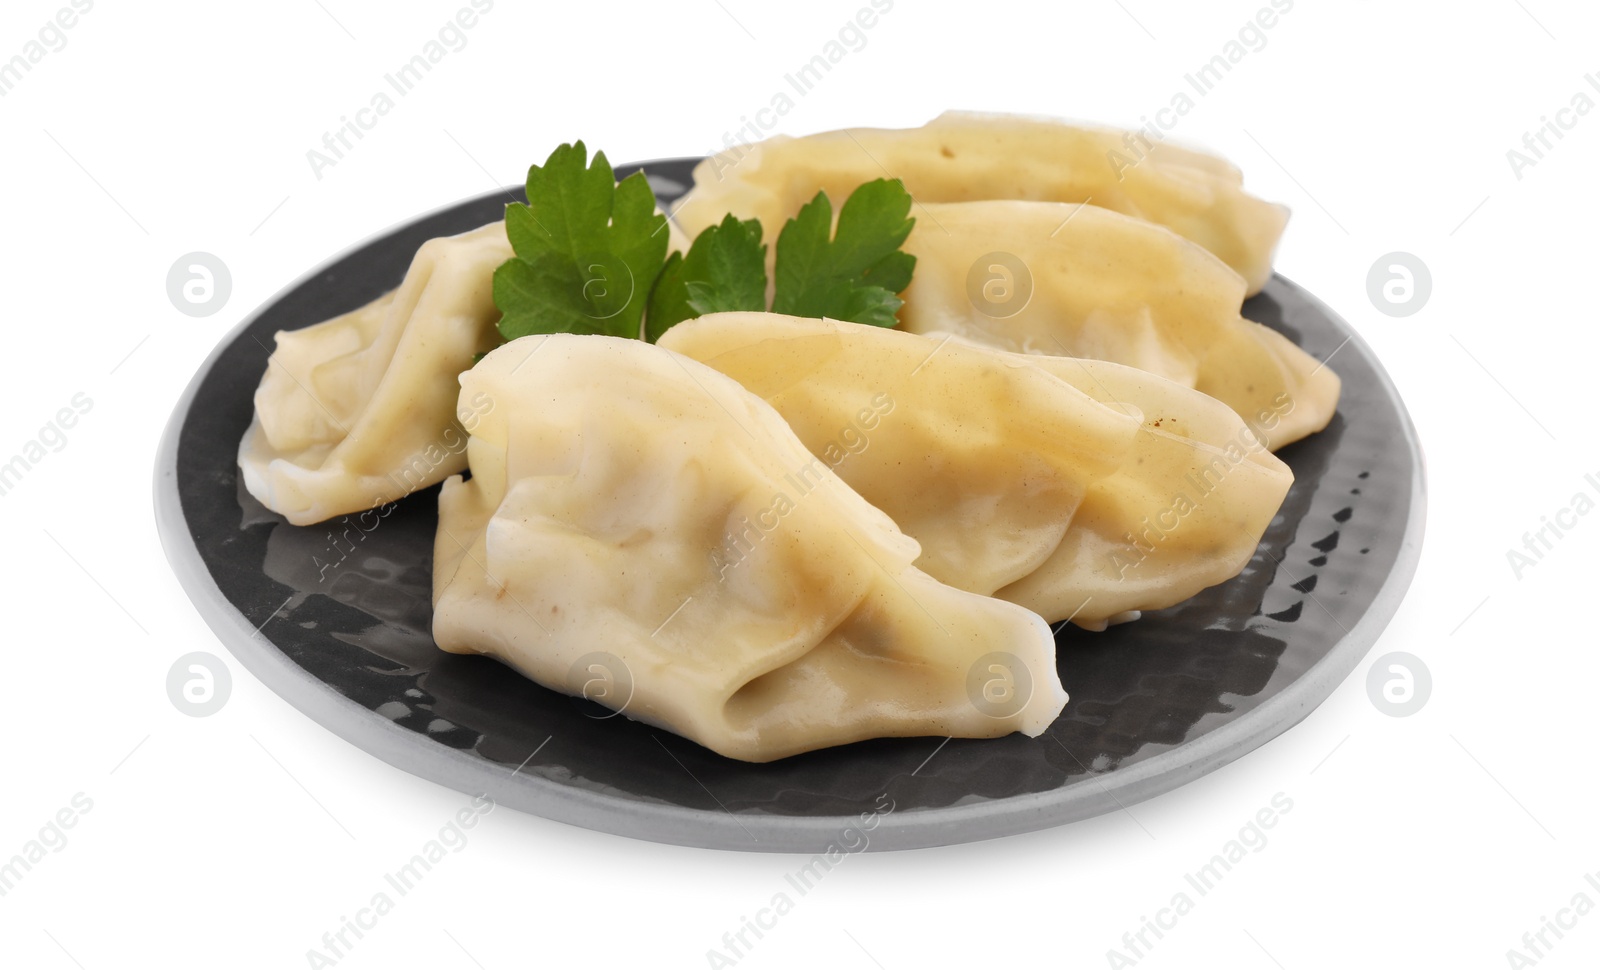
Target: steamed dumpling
(957,442)
(1185,511)
(981,459)
(628,501)
(961,157)
(1081,281)
(361,409)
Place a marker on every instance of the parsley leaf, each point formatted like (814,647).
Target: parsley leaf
(725,269)
(591,257)
(855,275)
(587,250)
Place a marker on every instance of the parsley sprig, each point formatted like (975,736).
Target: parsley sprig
(588,249)
(856,274)
(725,269)
(591,257)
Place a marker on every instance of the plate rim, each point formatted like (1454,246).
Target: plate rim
(703,828)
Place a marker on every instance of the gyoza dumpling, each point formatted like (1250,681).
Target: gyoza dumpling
(955,440)
(360,410)
(1081,281)
(981,459)
(628,501)
(960,157)
(1185,511)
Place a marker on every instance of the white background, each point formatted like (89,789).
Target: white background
(239,839)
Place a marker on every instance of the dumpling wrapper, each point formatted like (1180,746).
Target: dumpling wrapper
(982,459)
(360,410)
(610,481)
(1185,512)
(1191,494)
(962,156)
(1081,281)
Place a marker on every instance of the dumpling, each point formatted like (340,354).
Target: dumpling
(953,440)
(960,157)
(1185,511)
(982,459)
(1081,281)
(629,502)
(360,410)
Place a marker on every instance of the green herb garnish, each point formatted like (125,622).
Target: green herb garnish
(855,275)
(726,269)
(588,250)
(591,257)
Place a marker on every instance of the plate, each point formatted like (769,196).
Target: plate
(335,618)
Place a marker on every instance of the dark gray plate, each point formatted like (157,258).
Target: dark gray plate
(340,629)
